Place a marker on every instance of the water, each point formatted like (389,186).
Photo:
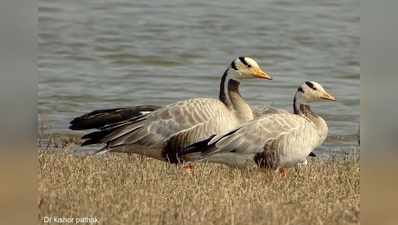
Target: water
(101,54)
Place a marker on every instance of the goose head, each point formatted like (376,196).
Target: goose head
(246,68)
(311,91)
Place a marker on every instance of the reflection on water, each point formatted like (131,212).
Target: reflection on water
(99,54)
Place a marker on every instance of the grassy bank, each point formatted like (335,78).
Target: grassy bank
(123,189)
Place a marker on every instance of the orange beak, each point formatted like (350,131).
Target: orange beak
(259,73)
(327,96)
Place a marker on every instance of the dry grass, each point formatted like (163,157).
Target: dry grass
(123,189)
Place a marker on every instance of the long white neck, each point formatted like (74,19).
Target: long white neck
(242,110)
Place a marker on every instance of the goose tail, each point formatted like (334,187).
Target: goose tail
(198,150)
(100,119)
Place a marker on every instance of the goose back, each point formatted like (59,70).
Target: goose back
(183,122)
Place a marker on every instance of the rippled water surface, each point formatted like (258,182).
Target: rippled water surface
(100,54)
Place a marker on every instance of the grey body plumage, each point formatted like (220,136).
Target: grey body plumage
(277,139)
(162,133)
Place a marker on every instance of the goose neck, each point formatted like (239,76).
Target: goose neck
(296,104)
(241,109)
(222,95)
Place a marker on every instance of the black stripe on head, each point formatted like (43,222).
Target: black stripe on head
(310,84)
(300,89)
(243,60)
(233,65)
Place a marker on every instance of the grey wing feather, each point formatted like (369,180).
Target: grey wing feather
(260,111)
(184,138)
(160,125)
(252,136)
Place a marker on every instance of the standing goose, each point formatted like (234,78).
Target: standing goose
(276,140)
(163,132)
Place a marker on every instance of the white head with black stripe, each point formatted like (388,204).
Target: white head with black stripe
(246,68)
(311,91)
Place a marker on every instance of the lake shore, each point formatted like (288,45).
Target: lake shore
(130,189)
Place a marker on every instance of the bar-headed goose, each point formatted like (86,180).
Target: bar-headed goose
(163,132)
(275,140)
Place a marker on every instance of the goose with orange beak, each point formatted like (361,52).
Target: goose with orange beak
(166,130)
(276,141)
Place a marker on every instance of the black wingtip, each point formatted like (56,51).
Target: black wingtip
(99,119)
(312,154)
(73,125)
(199,146)
(79,123)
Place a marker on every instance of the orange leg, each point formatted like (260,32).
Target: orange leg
(188,168)
(283,172)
